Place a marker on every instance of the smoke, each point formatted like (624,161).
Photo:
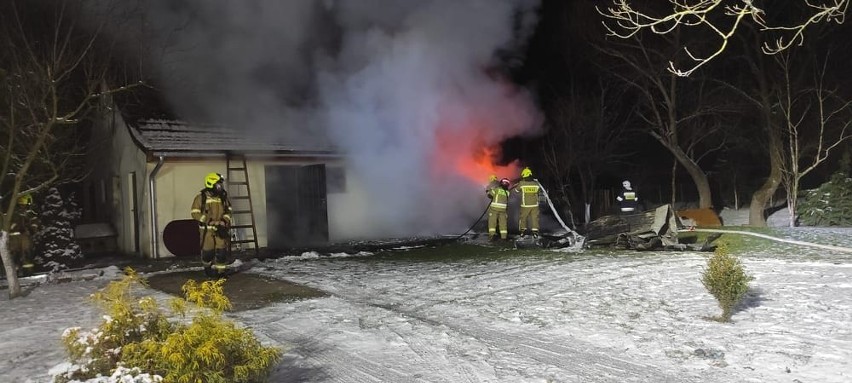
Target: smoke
(408,90)
(403,79)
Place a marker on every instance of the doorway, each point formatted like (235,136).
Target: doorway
(296,206)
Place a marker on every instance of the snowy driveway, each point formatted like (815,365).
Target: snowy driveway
(543,316)
(494,315)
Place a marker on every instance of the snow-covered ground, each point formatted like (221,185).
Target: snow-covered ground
(505,315)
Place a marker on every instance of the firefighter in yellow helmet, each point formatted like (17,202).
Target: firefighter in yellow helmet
(212,209)
(24,226)
(497,210)
(492,183)
(529,188)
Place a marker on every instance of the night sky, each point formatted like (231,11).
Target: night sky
(533,77)
(563,55)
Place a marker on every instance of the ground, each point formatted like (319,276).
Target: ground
(469,313)
(246,291)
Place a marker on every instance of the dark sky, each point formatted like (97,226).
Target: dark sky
(561,55)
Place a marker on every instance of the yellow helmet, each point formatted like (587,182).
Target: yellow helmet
(26,199)
(492,178)
(526,172)
(212,179)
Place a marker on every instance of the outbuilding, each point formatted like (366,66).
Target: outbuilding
(146,172)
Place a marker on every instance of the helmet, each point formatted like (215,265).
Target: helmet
(626,184)
(492,178)
(526,172)
(212,179)
(505,182)
(26,199)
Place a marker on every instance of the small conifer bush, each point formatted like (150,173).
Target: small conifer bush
(139,342)
(725,279)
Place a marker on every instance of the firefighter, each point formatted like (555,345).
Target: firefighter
(497,216)
(493,182)
(24,226)
(628,199)
(212,209)
(529,188)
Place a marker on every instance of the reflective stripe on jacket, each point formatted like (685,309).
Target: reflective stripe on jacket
(499,198)
(216,208)
(529,193)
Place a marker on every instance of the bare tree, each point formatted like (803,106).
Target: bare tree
(721,18)
(586,131)
(816,121)
(676,124)
(52,74)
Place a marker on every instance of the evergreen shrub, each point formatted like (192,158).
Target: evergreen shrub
(828,205)
(137,339)
(54,243)
(726,280)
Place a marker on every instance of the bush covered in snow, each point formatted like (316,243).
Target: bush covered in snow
(136,340)
(725,279)
(54,242)
(828,205)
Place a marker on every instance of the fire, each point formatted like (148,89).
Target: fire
(465,152)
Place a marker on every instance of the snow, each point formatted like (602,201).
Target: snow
(517,316)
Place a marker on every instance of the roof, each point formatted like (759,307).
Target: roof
(173,137)
(158,130)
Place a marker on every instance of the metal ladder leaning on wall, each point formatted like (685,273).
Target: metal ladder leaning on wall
(242,210)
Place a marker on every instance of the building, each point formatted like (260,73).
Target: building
(147,171)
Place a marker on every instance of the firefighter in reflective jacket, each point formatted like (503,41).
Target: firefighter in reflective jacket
(628,198)
(212,209)
(529,213)
(20,236)
(497,216)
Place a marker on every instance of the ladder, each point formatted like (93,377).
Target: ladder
(242,211)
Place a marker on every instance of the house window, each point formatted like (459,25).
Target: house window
(335,179)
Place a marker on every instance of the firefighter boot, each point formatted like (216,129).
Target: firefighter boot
(221,262)
(207,262)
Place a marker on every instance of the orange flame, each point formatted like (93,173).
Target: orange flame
(465,152)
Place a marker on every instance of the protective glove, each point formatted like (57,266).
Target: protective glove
(222,231)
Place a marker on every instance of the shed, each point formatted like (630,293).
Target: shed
(148,171)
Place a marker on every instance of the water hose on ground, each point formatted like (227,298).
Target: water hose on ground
(792,241)
(577,236)
(475,222)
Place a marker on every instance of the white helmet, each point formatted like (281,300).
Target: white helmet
(625,184)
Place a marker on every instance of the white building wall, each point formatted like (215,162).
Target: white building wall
(346,212)
(115,167)
(179,181)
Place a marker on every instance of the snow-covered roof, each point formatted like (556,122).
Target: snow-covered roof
(182,137)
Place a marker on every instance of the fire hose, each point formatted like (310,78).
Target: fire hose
(576,236)
(769,237)
(475,222)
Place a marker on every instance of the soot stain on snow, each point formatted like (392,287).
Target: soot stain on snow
(246,291)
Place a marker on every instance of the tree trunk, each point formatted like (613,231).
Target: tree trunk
(9,265)
(791,208)
(761,197)
(698,177)
(674,181)
(705,200)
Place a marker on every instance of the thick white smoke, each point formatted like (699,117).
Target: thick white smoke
(404,78)
(407,90)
